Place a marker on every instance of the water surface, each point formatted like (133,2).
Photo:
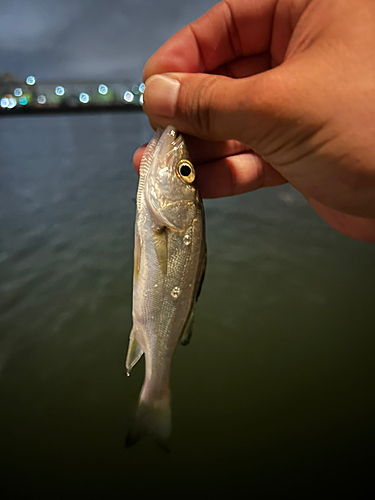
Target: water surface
(275,391)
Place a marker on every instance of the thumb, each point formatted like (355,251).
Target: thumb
(215,107)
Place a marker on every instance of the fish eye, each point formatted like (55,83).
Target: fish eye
(186,171)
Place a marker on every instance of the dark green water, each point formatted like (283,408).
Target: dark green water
(275,393)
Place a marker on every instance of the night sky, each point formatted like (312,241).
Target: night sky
(87,39)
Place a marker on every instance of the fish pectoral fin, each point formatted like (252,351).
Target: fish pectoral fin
(202,274)
(134,353)
(187,332)
(161,248)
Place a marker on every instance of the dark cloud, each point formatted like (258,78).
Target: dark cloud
(88,38)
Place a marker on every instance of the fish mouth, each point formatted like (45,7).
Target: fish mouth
(169,135)
(170,139)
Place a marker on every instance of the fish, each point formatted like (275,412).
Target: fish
(169,266)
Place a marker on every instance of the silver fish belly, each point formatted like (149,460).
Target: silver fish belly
(169,265)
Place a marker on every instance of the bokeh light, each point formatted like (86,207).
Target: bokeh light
(103,89)
(4,102)
(59,90)
(42,94)
(12,103)
(84,98)
(128,96)
(30,80)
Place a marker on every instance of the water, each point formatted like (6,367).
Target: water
(275,392)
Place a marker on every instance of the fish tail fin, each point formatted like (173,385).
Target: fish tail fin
(152,417)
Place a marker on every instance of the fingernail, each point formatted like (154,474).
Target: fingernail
(161,94)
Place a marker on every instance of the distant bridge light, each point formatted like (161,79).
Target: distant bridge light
(30,80)
(12,103)
(4,102)
(103,89)
(142,88)
(42,99)
(22,100)
(84,98)
(17,92)
(128,96)
(59,90)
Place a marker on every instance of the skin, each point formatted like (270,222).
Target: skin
(275,91)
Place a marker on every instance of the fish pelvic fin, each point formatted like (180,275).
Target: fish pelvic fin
(152,418)
(134,353)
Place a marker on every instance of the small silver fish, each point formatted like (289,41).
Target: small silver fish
(169,266)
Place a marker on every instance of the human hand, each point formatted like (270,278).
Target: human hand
(286,89)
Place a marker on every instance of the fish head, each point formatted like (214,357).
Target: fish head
(171,194)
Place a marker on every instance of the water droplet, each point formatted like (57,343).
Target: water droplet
(187,239)
(176,292)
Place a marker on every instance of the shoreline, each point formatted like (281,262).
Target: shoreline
(30,110)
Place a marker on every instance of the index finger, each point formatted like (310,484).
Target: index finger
(231,29)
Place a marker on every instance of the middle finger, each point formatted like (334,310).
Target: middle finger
(202,151)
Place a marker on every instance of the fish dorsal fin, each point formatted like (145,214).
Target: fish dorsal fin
(134,353)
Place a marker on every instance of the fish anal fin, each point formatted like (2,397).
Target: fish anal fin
(134,353)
